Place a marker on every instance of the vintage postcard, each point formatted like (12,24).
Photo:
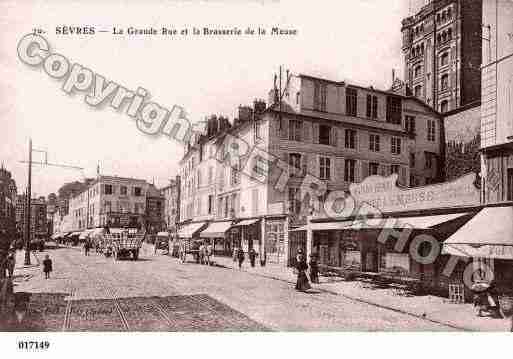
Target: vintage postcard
(255,166)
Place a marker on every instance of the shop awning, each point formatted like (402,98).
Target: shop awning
(325,226)
(420,222)
(190,229)
(163,234)
(488,234)
(78,233)
(246,222)
(56,235)
(85,234)
(216,229)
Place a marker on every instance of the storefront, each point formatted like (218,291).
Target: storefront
(402,238)
(275,244)
(486,241)
(191,230)
(217,234)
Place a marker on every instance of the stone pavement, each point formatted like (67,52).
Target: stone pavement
(20,260)
(428,307)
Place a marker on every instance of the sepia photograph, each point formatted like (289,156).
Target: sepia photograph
(189,166)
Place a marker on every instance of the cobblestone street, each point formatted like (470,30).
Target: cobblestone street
(159,293)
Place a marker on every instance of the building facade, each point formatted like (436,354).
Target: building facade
(172,204)
(328,132)
(154,221)
(7,200)
(497,102)
(442,53)
(110,200)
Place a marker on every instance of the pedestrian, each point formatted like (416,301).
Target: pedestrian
(86,247)
(47,266)
(209,250)
(11,262)
(240,257)
(314,269)
(252,256)
(302,283)
(202,253)
(235,253)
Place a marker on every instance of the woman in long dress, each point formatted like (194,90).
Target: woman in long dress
(302,283)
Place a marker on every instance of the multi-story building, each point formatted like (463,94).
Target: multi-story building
(7,200)
(334,132)
(172,204)
(442,53)
(110,200)
(38,218)
(154,216)
(497,102)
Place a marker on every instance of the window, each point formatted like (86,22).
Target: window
(199,178)
(396,145)
(324,168)
(444,106)
(235,175)
(294,200)
(438,18)
(510,184)
(210,174)
(137,191)
(123,190)
(429,160)
(351,100)
(319,97)
(418,91)
(409,124)
(374,142)
(107,206)
(449,13)
(444,59)
(418,70)
(431,130)
(412,160)
(295,127)
(201,149)
(444,82)
(449,34)
(258,130)
(394,110)
(324,134)
(373,168)
(108,189)
(349,170)
(372,106)
(394,169)
(350,139)
(295,163)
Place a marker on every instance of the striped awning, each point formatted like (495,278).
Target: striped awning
(189,230)
(216,229)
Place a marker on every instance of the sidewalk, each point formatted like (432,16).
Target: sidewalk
(20,260)
(428,307)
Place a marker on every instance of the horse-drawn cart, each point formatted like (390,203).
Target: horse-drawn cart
(122,245)
(189,246)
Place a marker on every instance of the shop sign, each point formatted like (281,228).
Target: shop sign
(383,194)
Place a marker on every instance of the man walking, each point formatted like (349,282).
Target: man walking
(240,257)
(252,256)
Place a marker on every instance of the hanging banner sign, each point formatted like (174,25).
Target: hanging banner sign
(383,194)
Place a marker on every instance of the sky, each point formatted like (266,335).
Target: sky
(359,41)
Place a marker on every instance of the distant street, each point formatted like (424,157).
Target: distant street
(160,293)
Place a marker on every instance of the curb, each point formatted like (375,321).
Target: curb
(360,300)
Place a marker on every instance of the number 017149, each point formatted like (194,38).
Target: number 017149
(33,345)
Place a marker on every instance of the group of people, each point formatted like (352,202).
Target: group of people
(239,256)
(205,253)
(302,283)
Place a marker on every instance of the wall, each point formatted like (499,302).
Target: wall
(462,141)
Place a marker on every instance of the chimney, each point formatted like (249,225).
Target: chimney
(259,106)
(393,76)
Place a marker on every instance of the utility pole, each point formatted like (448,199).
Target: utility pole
(29,206)
(29,192)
